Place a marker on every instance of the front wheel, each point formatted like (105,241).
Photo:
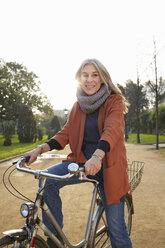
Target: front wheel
(16,242)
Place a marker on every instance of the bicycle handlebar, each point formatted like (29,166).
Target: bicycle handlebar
(73,169)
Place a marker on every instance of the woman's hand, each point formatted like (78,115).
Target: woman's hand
(37,151)
(33,154)
(92,166)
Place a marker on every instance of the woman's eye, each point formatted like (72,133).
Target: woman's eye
(85,75)
(95,75)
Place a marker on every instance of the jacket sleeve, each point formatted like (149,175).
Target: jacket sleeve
(62,137)
(113,129)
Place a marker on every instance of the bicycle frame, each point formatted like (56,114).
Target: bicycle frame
(31,223)
(60,233)
(96,227)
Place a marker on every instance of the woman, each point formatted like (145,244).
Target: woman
(95,133)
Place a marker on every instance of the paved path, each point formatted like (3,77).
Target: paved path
(149,200)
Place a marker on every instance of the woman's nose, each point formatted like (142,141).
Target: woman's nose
(89,79)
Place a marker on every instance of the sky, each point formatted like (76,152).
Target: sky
(52,37)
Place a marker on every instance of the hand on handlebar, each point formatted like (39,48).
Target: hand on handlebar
(92,166)
(33,156)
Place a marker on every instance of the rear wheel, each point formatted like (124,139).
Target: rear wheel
(99,235)
(128,213)
(12,242)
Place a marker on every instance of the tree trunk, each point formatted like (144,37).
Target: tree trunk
(156,99)
(126,129)
(157,126)
(138,112)
(138,128)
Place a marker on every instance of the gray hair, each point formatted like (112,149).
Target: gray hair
(105,77)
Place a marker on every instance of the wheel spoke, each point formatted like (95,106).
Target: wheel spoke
(105,242)
(102,237)
(99,239)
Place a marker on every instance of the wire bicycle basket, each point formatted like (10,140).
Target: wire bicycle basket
(135,172)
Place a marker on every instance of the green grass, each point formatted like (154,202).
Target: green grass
(148,139)
(19,148)
(16,147)
(145,138)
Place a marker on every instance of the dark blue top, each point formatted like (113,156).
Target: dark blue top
(91,137)
(91,134)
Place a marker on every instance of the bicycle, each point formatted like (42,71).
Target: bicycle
(96,234)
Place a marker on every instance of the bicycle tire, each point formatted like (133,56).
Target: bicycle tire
(22,242)
(128,213)
(99,236)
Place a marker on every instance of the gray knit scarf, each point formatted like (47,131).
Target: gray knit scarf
(89,104)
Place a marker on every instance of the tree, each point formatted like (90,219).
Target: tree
(6,108)
(162,118)
(8,128)
(54,127)
(156,91)
(151,88)
(20,88)
(146,121)
(123,90)
(27,128)
(136,95)
(138,110)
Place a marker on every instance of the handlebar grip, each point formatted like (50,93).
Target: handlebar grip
(27,159)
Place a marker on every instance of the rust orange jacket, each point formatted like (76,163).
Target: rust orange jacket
(111,129)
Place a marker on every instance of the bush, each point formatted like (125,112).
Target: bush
(8,129)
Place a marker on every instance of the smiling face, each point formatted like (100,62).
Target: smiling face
(90,80)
